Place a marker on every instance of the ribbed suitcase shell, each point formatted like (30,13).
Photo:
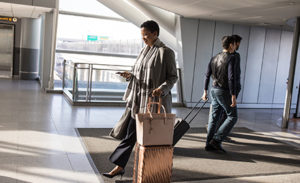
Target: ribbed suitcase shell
(152,164)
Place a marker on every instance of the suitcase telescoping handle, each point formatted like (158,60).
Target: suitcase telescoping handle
(198,111)
(194,109)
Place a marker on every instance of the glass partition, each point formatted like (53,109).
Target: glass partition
(93,82)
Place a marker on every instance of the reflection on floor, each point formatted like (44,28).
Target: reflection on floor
(38,142)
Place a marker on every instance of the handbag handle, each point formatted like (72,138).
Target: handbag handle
(150,102)
(158,111)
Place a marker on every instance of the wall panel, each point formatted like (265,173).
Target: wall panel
(242,31)
(222,29)
(283,66)
(254,63)
(265,59)
(269,66)
(204,52)
(189,29)
(297,78)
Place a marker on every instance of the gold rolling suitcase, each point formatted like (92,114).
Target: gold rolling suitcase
(152,164)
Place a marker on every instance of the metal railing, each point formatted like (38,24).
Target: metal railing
(89,82)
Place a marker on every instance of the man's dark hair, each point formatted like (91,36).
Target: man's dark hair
(226,41)
(151,25)
(237,38)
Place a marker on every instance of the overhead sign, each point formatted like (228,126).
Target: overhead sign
(96,38)
(103,37)
(9,19)
(92,38)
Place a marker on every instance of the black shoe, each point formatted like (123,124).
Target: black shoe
(209,148)
(121,172)
(228,139)
(217,145)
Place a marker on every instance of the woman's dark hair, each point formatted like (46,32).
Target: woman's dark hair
(151,25)
(237,38)
(226,41)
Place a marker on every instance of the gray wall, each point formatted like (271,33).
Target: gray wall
(265,57)
(17,46)
(30,48)
(46,57)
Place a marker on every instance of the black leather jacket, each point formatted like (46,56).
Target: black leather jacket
(221,69)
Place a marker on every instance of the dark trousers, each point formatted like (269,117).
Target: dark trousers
(122,153)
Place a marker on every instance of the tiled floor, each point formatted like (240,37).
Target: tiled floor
(38,142)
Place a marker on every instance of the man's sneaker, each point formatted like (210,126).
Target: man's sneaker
(209,147)
(217,145)
(228,139)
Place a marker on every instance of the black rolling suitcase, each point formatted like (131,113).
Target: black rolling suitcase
(182,126)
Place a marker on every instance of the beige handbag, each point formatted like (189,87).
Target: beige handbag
(155,128)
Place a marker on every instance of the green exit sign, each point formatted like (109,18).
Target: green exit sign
(92,38)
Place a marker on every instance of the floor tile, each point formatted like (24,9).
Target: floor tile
(39,143)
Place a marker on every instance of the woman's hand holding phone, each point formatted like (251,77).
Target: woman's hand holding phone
(125,74)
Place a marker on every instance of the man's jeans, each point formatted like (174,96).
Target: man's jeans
(223,114)
(221,100)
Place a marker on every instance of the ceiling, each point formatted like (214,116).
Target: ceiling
(254,12)
(21,11)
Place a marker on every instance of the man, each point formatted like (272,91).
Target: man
(223,94)
(237,60)
(237,68)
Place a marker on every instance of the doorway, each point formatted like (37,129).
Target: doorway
(6,50)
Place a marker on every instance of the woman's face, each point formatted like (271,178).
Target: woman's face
(148,37)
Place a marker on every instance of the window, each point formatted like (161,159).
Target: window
(87,7)
(87,37)
(88,32)
(78,33)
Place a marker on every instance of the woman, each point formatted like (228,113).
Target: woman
(154,73)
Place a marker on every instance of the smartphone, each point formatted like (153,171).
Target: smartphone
(119,73)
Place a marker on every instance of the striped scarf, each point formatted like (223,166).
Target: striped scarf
(140,85)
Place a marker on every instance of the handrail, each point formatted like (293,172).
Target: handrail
(90,68)
(95,53)
(95,64)
(74,66)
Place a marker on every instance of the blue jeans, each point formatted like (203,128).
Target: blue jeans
(221,100)
(223,115)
